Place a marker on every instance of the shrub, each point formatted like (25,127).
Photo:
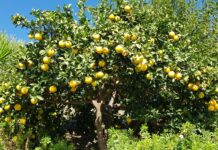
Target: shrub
(47,143)
(189,137)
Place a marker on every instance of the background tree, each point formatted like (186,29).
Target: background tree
(157,61)
(10,53)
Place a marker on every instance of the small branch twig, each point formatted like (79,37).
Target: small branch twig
(27,143)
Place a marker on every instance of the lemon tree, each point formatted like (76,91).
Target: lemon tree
(157,61)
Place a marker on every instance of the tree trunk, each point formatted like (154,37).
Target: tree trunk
(100,127)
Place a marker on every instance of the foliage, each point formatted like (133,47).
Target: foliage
(1,147)
(47,143)
(155,60)
(21,139)
(189,137)
(62,145)
(10,53)
(4,50)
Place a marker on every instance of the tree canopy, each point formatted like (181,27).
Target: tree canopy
(155,60)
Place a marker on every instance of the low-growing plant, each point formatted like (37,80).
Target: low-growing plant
(189,137)
(46,143)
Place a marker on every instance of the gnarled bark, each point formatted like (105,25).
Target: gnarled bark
(101,137)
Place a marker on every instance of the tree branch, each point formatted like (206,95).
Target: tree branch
(97,105)
(111,102)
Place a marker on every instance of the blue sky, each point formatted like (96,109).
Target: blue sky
(11,7)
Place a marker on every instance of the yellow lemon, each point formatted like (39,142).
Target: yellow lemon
(112,17)
(117,18)
(21,66)
(127,9)
(212,102)
(73,89)
(92,65)
(119,49)
(201,95)
(51,52)
(149,76)
(17,107)
(96,37)
(142,67)
(152,62)
(34,101)
(38,36)
(216,106)
(24,90)
(190,85)
(211,108)
(128,120)
(7,119)
(75,51)
(30,63)
(94,84)
(134,37)
(216,90)
(137,60)
(125,53)
(46,60)
(73,83)
(18,87)
(53,89)
(176,38)
(44,67)
(61,44)
(172,34)
(1,100)
(22,121)
(198,73)
(178,76)
(99,50)
(101,63)
(99,75)
(171,74)
(1,110)
(195,87)
(127,36)
(167,69)
(88,80)
(68,44)
(30,36)
(105,50)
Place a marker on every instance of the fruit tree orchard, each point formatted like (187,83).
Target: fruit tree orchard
(156,60)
